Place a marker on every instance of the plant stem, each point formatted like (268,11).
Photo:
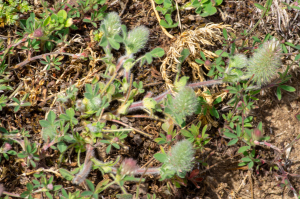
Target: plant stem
(43,56)
(141,132)
(12,194)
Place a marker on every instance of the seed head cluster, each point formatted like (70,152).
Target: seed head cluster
(112,24)
(181,157)
(264,63)
(136,39)
(184,104)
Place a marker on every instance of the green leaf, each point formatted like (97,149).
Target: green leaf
(108,149)
(64,193)
(159,1)
(157,52)
(66,174)
(114,44)
(148,57)
(208,10)
(199,61)
(32,163)
(86,20)
(57,187)
(116,145)
(259,6)
(184,54)
(63,14)
(24,194)
(250,165)
(105,141)
(86,193)
(287,88)
(186,133)
(278,92)
(246,159)
(61,147)
(49,195)
(224,54)
(69,22)
(47,21)
(298,117)
(243,149)
(238,130)
(11,152)
(29,186)
(232,142)
(166,25)
(161,157)
(225,33)
(100,185)
(230,135)
(297,57)
(103,42)
(21,155)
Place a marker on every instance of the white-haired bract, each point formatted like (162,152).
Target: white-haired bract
(136,39)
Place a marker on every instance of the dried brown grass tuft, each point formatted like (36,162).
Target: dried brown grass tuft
(196,41)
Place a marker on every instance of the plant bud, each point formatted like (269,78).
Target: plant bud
(256,134)
(7,147)
(207,63)
(169,138)
(38,33)
(129,166)
(80,106)
(50,187)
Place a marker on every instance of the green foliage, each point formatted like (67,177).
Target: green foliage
(249,158)
(49,126)
(49,27)
(194,135)
(9,11)
(41,184)
(204,8)
(29,153)
(114,137)
(217,67)
(18,104)
(52,62)
(5,150)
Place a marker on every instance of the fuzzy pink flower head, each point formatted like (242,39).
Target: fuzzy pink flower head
(116,139)
(169,138)
(7,147)
(207,63)
(129,166)
(50,186)
(257,134)
(38,33)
